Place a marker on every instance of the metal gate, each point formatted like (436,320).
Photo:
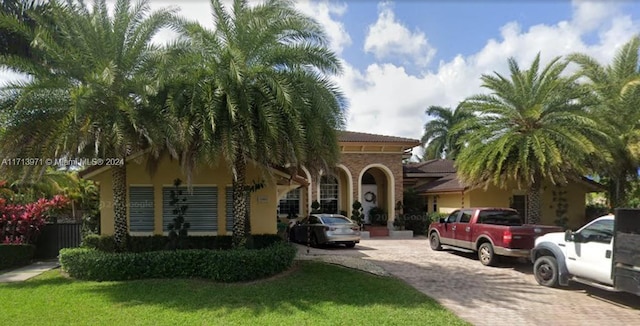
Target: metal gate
(56,236)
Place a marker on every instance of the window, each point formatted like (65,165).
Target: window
(329,194)
(228,195)
(435,204)
(599,231)
(500,217)
(466,216)
(519,203)
(453,217)
(141,209)
(202,211)
(335,220)
(290,203)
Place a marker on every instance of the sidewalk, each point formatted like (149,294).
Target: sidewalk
(27,272)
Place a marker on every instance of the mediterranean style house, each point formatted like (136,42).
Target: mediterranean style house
(437,181)
(370,170)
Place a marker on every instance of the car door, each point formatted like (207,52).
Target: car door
(589,256)
(462,230)
(449,226)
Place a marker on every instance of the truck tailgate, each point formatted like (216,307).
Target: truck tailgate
(524,236)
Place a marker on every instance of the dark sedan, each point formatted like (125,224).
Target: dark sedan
(326,229)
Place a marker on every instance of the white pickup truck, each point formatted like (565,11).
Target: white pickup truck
(605,254)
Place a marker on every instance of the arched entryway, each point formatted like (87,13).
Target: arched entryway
(376,189)
(334,192)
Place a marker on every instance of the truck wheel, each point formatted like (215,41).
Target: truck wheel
(545,270)
(486,255)
(434,241)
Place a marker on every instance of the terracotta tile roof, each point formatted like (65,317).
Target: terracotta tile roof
(448,183)
(431,167)
(361,137)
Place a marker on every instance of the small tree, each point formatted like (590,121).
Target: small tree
(356,213)
(178,229)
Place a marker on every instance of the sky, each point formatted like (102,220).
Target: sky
(401,57)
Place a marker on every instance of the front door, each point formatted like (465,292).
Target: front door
(447,233)
(462,232)
(590,257)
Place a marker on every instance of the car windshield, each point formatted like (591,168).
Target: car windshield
(335,220)
(500,217)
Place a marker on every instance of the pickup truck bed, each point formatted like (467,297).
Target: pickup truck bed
(489,231)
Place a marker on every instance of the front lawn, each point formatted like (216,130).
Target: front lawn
(313,294)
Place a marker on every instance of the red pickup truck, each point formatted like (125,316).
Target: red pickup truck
(488,231)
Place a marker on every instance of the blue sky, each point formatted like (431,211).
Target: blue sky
(401,57)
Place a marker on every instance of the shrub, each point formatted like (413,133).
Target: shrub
(159,242)
(377,216)
(23,223)
(233,265)
(418,223)
(15,255)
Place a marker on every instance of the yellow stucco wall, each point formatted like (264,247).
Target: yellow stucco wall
(575,196)
(448,202)
(264,202)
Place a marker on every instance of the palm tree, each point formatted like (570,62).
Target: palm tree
(15,43)
(617,90)
(261,90)
(441,138)
(532,127)
(90,93)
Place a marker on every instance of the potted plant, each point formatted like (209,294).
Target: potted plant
(378,218)
(356,213)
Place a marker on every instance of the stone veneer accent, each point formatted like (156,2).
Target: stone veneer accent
(356,162)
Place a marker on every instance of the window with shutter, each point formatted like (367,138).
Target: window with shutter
(229,207)
(202,211)
(141,209)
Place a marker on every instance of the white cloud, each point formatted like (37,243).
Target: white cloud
(388,38)
(386,99)
(326,13)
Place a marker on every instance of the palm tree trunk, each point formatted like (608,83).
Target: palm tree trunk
(533,203)
(239,202)
(119,176)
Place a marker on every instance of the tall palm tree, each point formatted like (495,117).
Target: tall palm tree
(89,94)
(441,138)
(261,90)
(617,90)
(532,127)
(15,43)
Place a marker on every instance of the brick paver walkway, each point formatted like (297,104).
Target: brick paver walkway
(505,295)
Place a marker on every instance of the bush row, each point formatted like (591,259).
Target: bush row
(159,242)
(233,265)
(15,255)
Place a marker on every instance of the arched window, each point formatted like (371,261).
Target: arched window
(329,194)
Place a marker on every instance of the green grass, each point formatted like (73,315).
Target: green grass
(312,294)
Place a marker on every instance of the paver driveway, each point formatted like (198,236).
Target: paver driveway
(505,295)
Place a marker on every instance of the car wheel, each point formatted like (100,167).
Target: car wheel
(350,244)
(486,254)
(545,270)
(434,241)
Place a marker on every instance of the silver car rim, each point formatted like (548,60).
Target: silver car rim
(485,255)
(545,272)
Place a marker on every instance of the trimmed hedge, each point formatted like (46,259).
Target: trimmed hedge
(159,242)
(233,265)
(15,255)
